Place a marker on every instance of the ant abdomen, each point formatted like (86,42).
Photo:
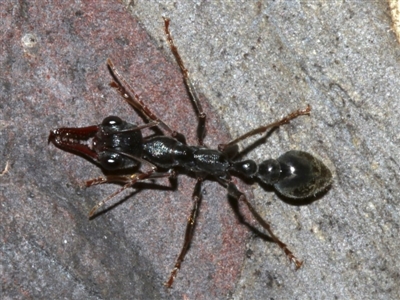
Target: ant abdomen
(295,174)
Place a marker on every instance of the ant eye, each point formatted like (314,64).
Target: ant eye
(110,161)
(112,121)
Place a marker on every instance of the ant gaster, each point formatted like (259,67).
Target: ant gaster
(117,145)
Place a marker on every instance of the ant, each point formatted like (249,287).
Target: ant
(117,145)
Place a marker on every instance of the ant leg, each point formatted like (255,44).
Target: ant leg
(191,223)
(262,129)
(128,180)
(133,99)
(201,127)
(125,179)
(234,192)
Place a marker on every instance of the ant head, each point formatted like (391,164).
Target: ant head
(114,144)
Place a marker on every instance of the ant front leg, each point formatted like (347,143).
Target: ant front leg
(127,180)
(201,127)
(262,129)
(191,223)
(133,99)
(234,192)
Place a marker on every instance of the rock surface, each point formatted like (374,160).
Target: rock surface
(252,63)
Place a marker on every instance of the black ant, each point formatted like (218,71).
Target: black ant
(118,145)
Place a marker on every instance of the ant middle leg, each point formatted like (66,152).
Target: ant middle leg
(191,223)
(201,127)
(262,129)
(234,192)
(119,83)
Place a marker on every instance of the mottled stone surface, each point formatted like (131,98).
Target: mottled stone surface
(54,74)
(253,62)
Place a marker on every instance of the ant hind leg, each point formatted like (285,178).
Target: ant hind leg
(262,129)
(234,192)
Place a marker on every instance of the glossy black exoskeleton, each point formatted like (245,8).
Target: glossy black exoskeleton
(116,145)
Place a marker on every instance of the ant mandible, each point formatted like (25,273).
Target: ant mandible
(117,145)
